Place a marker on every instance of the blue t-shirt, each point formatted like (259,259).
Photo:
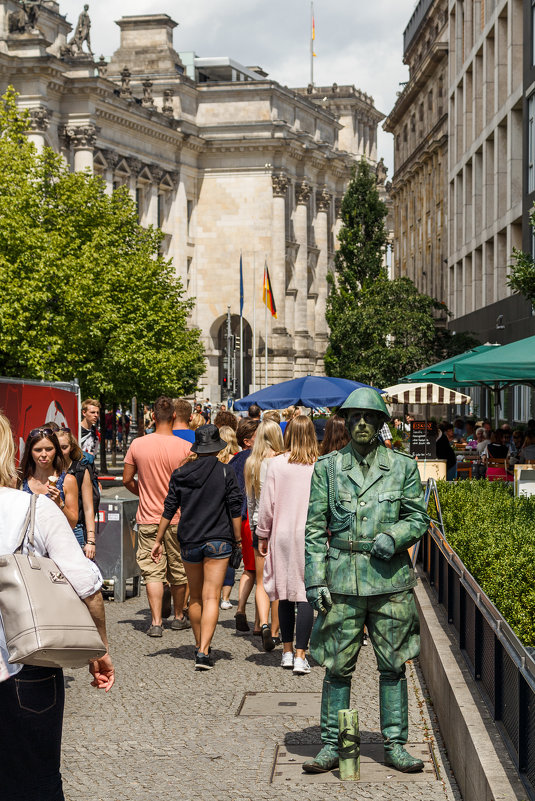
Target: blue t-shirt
(185,433)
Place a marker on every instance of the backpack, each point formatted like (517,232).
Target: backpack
(78,469)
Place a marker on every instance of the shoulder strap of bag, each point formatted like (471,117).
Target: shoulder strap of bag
(28,526)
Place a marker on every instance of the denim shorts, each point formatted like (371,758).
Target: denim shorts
(213,549)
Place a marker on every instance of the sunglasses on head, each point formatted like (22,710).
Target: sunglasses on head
(44,432)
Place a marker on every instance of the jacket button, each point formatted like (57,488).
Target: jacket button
(364,518)
(363,503)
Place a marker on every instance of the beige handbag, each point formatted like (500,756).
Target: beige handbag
(45,622)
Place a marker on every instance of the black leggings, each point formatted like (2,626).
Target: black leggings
(305,619)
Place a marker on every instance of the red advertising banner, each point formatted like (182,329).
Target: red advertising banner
(30,405)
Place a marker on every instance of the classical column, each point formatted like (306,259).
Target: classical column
(278,248)
(323,202)
(338,220)
(135,166)
(112,160)
(82,139)
(154,188)
(281,361)
(301,277)
(39,122)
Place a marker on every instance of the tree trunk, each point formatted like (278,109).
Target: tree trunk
(114,436)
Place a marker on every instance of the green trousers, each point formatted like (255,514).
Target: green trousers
(393,626)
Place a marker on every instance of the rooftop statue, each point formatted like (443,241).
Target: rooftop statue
(81,35)
(25,19)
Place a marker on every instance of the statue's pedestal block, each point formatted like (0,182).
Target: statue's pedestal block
(27,45)
(81,65)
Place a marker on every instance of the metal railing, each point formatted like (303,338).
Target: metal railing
(502,667)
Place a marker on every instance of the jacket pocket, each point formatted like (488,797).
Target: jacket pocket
(333,566)
(389,505)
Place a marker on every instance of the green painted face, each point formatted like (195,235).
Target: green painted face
(363,426)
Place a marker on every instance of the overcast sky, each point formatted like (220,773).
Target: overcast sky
(357,41)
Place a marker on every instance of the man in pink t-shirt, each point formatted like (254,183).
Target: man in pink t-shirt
(153,458)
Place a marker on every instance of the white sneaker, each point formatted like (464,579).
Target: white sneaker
(301,666)
(225,605)
(287,660)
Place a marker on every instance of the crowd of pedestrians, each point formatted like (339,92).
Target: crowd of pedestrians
(219,493)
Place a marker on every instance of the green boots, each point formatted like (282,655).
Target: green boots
(335,696)
(395,725)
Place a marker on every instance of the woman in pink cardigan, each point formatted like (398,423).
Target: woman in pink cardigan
(281,538)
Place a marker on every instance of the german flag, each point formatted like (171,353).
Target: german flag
(267,294)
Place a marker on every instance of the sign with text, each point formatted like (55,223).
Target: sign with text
(423,441)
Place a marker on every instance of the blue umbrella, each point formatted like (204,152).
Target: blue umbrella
(311,390)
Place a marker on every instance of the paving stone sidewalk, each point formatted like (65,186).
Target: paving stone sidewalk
(170,733)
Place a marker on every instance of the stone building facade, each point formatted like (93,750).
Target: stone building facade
(419,123)
(224,160)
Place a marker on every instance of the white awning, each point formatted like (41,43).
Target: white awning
(424,393)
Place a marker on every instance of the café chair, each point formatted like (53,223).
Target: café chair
(497,469)
(464,470)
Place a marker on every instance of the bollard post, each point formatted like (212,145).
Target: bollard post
(349,745)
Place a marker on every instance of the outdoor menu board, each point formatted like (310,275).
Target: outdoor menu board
(423,441)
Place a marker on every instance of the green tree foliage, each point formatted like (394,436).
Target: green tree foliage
(86,292)
(521,279)
(380,330)
(362,238)
(494,535)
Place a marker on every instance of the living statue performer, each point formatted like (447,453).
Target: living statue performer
(369,499)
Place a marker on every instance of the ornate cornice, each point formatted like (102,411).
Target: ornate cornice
(80,137)
(323,200)
(280,183)
(302,193)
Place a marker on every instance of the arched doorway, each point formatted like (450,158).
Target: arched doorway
(230,381)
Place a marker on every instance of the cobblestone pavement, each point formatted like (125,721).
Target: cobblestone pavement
(170,733)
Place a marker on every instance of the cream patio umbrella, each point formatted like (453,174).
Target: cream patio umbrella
(426,394)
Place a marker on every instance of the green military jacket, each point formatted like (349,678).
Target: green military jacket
(348,506)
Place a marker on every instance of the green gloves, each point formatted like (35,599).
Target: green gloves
(319,598)
(383,547)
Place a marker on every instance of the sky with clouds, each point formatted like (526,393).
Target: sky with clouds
(357,41)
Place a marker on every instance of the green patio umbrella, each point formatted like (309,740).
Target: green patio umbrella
(443,372)
(503,366)
(499,368)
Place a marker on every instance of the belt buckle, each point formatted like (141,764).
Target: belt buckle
(351,547)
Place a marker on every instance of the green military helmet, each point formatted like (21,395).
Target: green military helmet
(365,398)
